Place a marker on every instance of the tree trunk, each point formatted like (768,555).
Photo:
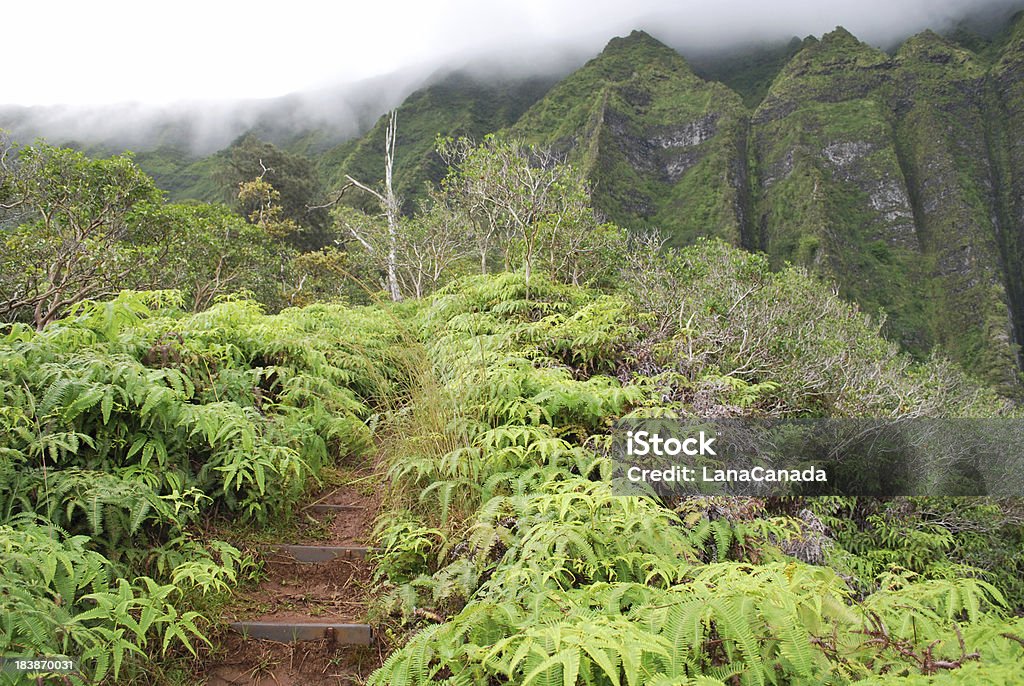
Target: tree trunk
(391,208)
(396,294)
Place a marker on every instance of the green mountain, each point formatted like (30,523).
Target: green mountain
(662,146)
(457,105)
(890,174)
(876,171)
(898,175)
(828,189)
(184,176)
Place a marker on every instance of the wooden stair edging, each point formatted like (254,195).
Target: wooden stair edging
(291,632)
(328,507)
(311,554)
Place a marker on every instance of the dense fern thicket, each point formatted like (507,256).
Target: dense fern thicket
(507,557)
(127,423)
(515,563)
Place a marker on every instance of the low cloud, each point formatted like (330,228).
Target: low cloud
(345,65)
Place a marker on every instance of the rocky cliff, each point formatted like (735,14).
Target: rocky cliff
(897,176)
(662,146)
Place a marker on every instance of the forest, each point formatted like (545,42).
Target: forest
(451,322)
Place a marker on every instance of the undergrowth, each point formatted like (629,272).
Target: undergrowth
(504,554)
(509,559)
(130,425)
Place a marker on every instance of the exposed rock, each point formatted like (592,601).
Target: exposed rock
(688,135)
(667,141)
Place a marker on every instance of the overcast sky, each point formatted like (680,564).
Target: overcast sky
(104,51)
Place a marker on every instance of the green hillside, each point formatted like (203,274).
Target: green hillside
(876,171)
(830,193)
(888,174)
(897,176)
(183,176)
(458,105)
(938,95)
(660,144)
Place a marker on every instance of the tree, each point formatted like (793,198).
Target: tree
(264,203)
(463,186)
(75,230)
(319,276)
(432,243)
(582,253)
(517,197)
(427,247)
(390,207)
(293,177)
(215,252)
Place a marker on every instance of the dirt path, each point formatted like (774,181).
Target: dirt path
(335,591)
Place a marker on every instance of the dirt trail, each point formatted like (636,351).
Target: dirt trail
(334,591)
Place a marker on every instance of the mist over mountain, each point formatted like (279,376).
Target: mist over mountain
(200,128)
(493,45)
(892,169)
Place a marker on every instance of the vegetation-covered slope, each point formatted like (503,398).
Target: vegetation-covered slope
(505,555)
(182,175)
(1006,136)
(661,146)
(748,71)
(830,193)
(938,94)
(518,563)
(458,105)
(880,172)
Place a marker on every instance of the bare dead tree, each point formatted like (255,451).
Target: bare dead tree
(389,204)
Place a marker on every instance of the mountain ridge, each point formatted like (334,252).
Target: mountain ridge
(897,175)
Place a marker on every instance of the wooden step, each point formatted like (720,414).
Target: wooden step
(290,632)
(321,553)
(323,508)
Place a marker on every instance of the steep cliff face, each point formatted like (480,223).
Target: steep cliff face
(1005,99)
(829,191)
(938,99)
(876,172)
(662,146)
